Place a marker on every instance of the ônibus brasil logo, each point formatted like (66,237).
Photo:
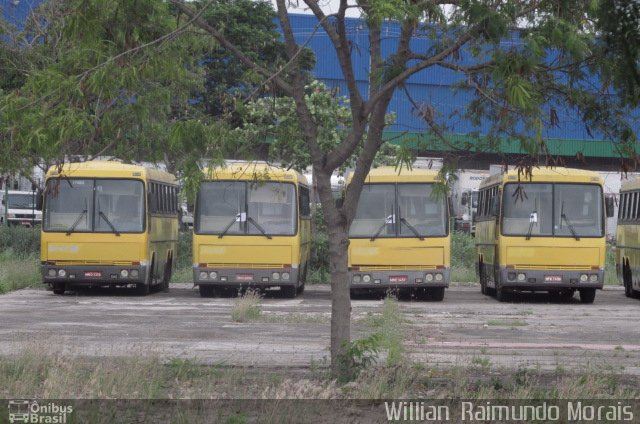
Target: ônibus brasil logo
(33,412)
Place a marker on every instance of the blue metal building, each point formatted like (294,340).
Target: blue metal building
(435,87)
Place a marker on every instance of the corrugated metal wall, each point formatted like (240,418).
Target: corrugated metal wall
(435,87)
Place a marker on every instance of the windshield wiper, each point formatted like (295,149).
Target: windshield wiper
(533,219)
(233,221)
(387,220)
(412,228)
(100,213)
(75,224)
(259,227)
(564,216)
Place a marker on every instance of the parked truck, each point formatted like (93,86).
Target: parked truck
(21,208)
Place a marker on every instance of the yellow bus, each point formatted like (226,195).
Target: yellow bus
(628,238)
(110,224)
(252,228)
(399,237)
(544,233)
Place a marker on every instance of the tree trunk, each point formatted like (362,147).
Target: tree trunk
(338,229)
(340,299)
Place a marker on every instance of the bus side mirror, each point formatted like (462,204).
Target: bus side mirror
(463,201)
(189,207)
(339,202)
(608,203)
(39,200)
(2,202)
(450,204)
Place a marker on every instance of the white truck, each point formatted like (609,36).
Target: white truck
(464,198)
(21,208)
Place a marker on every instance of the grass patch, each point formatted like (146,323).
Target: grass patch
(246,307)
(18,273)
(294,318)
(463,275)
(389,325)
(507,322)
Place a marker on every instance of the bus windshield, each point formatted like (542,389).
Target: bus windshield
(553,209)
(94,205)
(246,208)
(402,210)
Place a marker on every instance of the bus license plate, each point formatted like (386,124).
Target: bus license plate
(93,274)
(398,279)
(553,279)
(244,277)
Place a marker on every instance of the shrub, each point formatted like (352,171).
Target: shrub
(22,241)
(463,250)
(319,264)
(185,242)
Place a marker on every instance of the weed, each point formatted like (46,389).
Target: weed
(246,307)
(358,355)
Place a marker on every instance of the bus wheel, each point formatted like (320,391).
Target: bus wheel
(167,275)
(59,288)
(436,294)
(587,295)
(207,291)
(142,289)
(501,294)
(627,281)
(288,291)
(483,279)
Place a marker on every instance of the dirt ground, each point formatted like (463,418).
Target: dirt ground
(467,328)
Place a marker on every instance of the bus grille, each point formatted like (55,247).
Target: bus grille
(554,267)
(245,265)
(394,267)
(117,263)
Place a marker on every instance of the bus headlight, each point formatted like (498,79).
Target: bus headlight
(275,276)
(521,277)
(52,272)
(593,278)
(285,275)
(583,278)
(356,278)
(428,277)
(134,273)
(213,275)
(62,273)
(366,278)
(438,277)
(203,275)
(124,273)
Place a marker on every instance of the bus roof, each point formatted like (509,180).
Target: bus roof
(546,174)
(389,174)
(110,169)
(254,171)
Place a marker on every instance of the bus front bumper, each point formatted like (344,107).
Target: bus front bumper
(238,277)
(545,280)
(399,279)
(90,275)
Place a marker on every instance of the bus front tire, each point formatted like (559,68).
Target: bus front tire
(142,289)
(289,291)
(436,294)
(207,291)
(501,293)
(587,295)
(59,288)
